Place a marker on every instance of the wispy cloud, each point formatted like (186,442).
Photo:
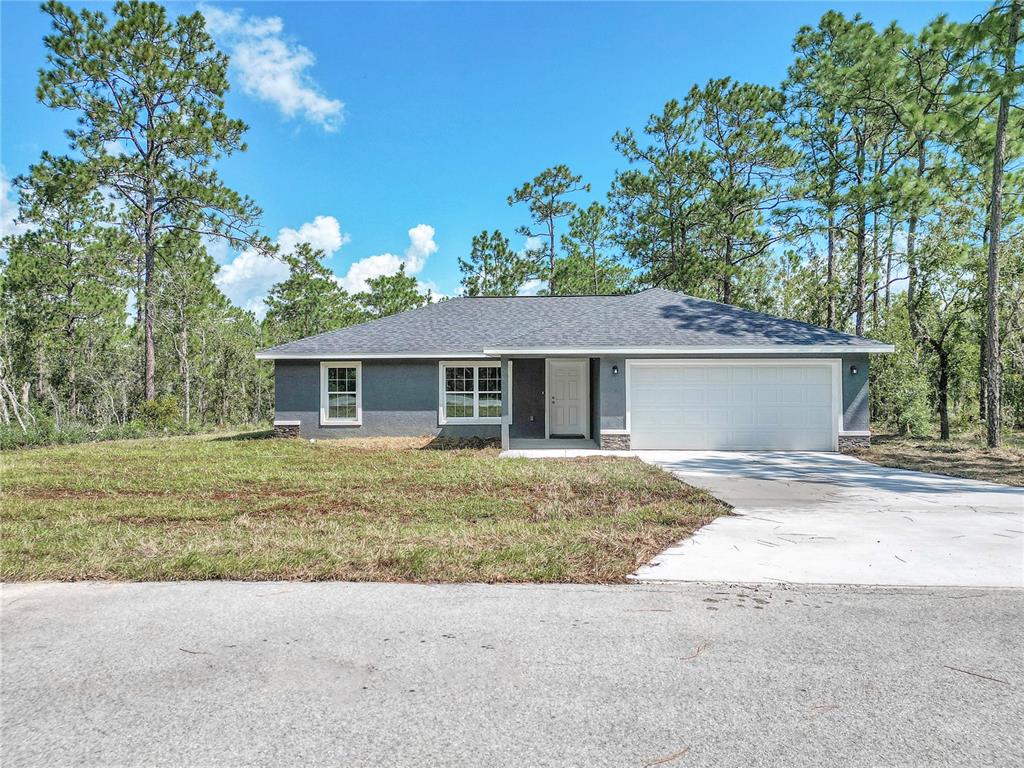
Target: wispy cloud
(421,246)
(272,67)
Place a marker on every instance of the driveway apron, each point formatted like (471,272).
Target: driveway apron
(825,518)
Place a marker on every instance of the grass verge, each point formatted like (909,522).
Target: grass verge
(962,456)
(382,510)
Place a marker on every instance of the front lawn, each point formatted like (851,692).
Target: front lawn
(387,510)
(962,456)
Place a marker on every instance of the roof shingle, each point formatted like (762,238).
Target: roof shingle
(653,319)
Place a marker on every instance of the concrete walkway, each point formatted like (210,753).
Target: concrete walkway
(825,518)
(217,674)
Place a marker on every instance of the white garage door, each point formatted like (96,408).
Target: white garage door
(740,405)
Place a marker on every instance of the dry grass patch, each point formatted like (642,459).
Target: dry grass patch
(382,510)
(963,456)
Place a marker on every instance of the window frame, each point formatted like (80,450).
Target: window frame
(442,411)
(325,420)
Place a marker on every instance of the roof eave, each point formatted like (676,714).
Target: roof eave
(775,349)
(269,354)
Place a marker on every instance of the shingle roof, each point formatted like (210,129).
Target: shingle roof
(652,320)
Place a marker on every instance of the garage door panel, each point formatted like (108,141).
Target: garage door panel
(732,406)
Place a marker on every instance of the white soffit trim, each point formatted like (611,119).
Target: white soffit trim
(778,349)
(368,356)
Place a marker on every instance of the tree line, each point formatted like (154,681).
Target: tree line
(876,190)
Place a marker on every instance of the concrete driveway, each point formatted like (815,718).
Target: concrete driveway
(825,518)
(218,674)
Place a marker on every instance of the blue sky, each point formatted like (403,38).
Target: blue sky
(389,133)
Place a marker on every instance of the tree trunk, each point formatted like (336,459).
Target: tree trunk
(551,257)
(943,395)
(149,353)
(186,374)
(982,379)
(912,248)
(862,223)
(727,273)
(992,361)
(859,299)
(830,273)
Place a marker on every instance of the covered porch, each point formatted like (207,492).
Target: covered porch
(552,404)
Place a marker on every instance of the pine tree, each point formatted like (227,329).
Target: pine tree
(309,301)
(546,198)
(391,294)
(588,267)
(154,89)
(493,267)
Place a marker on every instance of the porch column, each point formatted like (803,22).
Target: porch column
(506,402)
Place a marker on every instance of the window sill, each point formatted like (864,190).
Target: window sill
(340,423)
(484,420)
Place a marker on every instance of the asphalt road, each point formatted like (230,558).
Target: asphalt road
(288,674)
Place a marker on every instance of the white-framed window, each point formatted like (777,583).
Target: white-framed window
(341,393)
(470,393)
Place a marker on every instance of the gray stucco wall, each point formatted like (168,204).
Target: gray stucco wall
(527,398)
(856,417)
(400,398)
(613,392)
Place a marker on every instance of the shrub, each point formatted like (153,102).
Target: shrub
(162,413)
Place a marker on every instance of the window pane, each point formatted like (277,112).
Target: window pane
(490,379)
(490,405)
(458,379)
(341,406)
(333,379)
(458,405)
(341,379)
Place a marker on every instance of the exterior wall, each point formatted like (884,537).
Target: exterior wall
(613,393)
(400,398)
(856,417)
(527,398)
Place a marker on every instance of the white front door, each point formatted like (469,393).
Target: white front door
(568,398)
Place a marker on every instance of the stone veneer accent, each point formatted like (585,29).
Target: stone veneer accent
(614,442)
(286,430)
(848,443)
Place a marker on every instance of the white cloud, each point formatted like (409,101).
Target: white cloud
(246,279)
(218,248)
(271,67)
(113,148)
(9,224)
(323,233)
(531,287)
(421,246)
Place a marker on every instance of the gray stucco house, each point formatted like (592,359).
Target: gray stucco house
(654,369)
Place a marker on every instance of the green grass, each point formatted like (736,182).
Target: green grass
(215,508)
